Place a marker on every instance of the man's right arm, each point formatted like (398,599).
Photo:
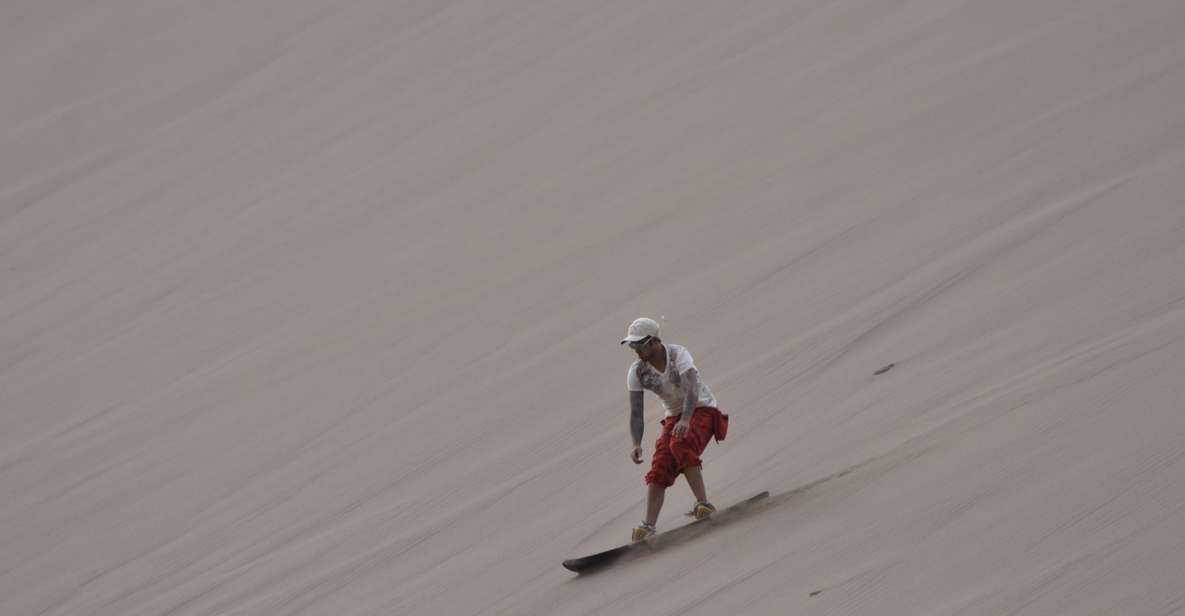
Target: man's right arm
(636,422)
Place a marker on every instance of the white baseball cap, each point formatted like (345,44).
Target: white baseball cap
(641,329)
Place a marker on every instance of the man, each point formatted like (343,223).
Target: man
(692,419)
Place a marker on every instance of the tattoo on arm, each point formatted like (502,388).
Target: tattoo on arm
(636,421)
(691,383)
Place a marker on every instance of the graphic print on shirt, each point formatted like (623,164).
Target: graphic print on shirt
(652,381)
(668,386)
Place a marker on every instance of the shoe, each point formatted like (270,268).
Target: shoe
(643,532)
(702,510)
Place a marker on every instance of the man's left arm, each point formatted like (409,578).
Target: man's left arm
(690,402)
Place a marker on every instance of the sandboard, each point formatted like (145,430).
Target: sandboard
(603,559)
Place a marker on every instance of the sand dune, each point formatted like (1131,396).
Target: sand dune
(313,307)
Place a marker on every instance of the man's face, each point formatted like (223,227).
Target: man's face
(644,348)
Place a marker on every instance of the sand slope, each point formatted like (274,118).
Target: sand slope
(313,308)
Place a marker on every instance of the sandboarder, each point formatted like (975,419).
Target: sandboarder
(692,419)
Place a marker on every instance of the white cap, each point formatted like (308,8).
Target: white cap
(640,329)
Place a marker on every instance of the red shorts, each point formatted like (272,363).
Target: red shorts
(672,455)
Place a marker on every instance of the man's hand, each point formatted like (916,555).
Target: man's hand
(636,454)
(681,428)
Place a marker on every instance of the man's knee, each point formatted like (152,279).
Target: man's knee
(685,455)
(662,478)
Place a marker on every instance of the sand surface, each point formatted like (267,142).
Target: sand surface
(312,307)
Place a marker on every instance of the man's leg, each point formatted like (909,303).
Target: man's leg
(695,479)
(662,472)
(687,451)
(654,498)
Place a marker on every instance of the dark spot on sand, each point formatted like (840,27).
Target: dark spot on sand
(884,370)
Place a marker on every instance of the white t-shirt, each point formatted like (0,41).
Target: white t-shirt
(669,385)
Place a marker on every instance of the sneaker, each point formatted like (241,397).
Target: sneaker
(643,532)
(702,509)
